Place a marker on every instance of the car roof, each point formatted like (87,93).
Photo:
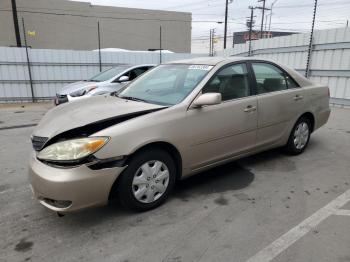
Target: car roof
(131,65)
(213,60)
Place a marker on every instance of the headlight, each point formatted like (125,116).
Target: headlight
(74,149)
(78,93)
(83,91)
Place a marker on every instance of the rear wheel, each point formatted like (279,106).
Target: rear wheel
(147,181)
(299,137)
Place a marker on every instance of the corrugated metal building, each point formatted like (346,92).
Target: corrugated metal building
(53,69)
(62,24)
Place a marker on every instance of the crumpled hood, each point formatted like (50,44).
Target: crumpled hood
(87,111)
(68,89)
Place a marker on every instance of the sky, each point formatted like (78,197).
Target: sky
(287,15)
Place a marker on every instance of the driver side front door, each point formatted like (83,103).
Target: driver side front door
(220,132)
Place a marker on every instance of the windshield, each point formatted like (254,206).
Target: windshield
(166,84)
(108,74)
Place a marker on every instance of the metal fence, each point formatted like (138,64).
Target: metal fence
(52,69)
(330,57)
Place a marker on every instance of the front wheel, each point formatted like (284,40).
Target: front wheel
(299,137)
(147,181)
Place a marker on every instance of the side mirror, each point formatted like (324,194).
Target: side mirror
(123,79)
(207,99)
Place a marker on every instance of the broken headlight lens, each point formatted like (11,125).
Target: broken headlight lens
(74,149)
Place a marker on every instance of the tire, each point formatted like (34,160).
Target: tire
(141,180)
(298,142)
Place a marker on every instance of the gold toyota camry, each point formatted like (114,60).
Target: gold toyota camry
(176,120)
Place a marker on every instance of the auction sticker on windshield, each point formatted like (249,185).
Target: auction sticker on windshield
(200,67)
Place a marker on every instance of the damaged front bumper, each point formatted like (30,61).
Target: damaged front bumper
(70,189)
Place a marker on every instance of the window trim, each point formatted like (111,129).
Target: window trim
(251,62)
(250,81)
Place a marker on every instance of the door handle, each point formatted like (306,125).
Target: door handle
(249,108)
(298,97)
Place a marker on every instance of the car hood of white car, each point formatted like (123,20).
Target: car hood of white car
(78,86)
(90,114)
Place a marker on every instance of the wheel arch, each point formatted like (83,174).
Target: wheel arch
(166,146)
(311,117)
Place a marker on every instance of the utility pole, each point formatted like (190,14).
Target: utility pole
(262,18)
(250,24)
(310,43)
(15,23)
(226,17)
(271,16)
(263,8)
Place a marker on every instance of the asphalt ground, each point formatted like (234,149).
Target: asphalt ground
(268,207)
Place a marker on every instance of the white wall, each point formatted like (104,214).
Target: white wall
(52,69)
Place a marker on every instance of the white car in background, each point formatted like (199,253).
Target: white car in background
(104,82)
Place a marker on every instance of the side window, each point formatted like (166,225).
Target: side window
(231,81)
(290,82)
(269,78)
(135,73)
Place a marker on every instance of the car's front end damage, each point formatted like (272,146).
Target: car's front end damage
(65,189)
(65,174)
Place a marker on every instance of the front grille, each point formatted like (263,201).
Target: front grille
(38,142)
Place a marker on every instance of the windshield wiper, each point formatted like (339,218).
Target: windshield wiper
(133,98)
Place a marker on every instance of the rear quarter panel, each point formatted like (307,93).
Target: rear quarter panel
(317,102)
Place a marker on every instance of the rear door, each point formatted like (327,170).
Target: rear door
(280,101)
